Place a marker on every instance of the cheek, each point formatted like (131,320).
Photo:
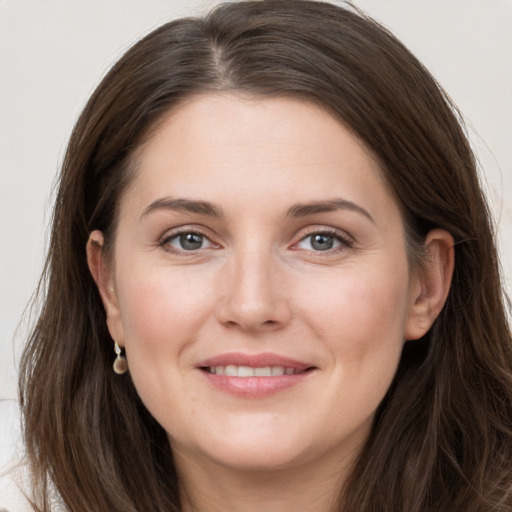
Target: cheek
(161,309)
(162,312)
(361,317)
(353,302)
(362,325)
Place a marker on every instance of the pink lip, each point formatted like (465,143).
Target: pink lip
(254,361)
(254,387)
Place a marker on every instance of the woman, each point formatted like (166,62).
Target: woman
(272,282)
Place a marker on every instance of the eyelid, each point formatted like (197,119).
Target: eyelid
(171,234)
(346,240)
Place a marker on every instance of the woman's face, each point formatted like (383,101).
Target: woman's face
(260,283)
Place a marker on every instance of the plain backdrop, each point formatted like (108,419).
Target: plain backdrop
(54,52)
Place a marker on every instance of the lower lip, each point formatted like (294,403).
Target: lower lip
(255,387)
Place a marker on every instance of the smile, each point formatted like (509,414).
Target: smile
(254,375)
(232,370)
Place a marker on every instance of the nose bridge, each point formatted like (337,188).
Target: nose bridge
(253,297)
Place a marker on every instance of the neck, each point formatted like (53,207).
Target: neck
(211,487)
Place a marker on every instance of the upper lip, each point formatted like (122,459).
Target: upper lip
(254,361)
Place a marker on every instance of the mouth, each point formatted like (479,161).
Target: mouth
(232,370)
(254,376)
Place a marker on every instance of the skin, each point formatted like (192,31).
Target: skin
(257,284)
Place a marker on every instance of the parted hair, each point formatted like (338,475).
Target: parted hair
(442,438)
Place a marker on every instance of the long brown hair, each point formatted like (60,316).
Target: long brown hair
(442,438)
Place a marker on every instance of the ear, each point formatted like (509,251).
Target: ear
(103,275)
(430,284)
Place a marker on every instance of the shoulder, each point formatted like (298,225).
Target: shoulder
(12,479)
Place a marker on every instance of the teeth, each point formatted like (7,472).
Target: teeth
(245,371)
(263,372)
(232,370)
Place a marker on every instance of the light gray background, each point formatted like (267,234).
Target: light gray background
(53,53)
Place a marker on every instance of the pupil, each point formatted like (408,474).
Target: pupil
(322,242)
(191,241)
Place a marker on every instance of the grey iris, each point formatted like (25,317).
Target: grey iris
(321,242)
(191,241)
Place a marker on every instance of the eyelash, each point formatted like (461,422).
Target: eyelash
(166,239)
(345,242)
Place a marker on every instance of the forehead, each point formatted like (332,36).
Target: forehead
(225,145)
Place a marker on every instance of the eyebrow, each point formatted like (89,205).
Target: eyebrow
(305,209)
(297,210)
(183,205)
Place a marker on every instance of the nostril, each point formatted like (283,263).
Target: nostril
(252,311)
(269,324)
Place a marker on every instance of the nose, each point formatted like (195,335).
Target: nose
(253,296)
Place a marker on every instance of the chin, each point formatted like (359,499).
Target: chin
(256,458)
(245,448)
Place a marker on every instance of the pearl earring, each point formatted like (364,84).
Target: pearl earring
(120,364)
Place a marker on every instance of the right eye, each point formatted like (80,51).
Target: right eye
(187,241)
(320,242)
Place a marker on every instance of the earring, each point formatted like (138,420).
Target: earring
(120,364)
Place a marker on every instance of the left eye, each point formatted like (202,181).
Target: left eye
(188,241)
(320,242)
